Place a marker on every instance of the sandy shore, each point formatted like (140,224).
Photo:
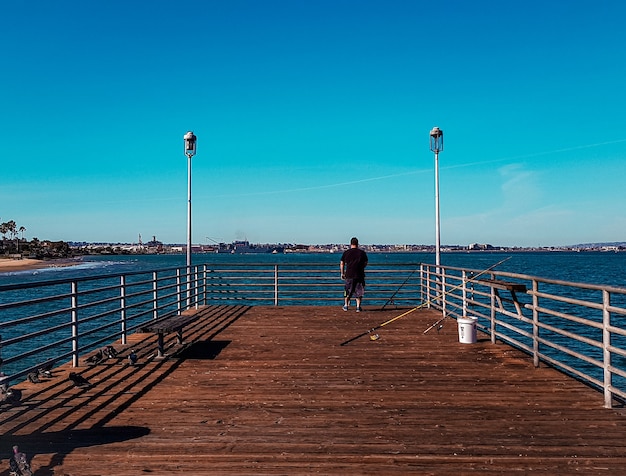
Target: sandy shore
(8,265)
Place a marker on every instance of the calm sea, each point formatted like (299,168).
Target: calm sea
(608,268)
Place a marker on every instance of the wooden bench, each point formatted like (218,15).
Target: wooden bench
(167,325)
(496,284)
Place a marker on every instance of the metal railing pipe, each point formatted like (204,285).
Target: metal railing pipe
(123,308)
(606,354)
(74,314)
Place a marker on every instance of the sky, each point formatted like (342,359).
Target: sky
(313,120)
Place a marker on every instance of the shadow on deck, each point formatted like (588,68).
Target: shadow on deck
(270,390)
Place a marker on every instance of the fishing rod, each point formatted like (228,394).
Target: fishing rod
(456,287)
(397,290)
(425,303)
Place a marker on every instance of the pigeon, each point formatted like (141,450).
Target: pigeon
(9,395)
(14,469)
(18,463)
(79,381)
(110,352)
(33,377)
(132,357)
(95,358)
(45,371)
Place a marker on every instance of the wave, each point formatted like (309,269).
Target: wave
(64,268)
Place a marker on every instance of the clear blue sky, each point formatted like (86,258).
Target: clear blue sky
(312,120)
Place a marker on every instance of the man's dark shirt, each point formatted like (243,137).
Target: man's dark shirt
(355,260)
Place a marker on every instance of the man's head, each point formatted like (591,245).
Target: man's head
(354,242)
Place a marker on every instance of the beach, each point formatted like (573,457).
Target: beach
(8,265)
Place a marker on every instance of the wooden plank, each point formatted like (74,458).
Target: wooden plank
(268,390)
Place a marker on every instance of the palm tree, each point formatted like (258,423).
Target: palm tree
(21,230)
(4,228)
(12,230)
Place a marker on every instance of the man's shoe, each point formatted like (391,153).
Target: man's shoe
(345,308)
(358,309)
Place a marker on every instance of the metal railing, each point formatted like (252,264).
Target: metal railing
(47,322)
(577,328)
(314,284)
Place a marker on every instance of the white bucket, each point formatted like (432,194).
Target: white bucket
(467,330)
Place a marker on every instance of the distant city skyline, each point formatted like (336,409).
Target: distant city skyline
(312,121)
(424,246)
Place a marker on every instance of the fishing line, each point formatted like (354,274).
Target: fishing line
(374,336)
(397,290)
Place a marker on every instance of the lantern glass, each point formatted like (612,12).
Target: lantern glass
(190,143)
(436,139)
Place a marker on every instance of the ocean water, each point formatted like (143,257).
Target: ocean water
(606,268)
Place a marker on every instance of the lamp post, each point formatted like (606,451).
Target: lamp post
(190,151)
(436,145)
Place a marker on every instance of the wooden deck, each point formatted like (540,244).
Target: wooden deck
(271,391)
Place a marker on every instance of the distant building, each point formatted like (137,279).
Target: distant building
(480,247)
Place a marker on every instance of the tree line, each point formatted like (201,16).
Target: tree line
(13,243)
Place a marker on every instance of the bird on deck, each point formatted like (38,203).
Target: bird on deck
(33,377)
(110,352)
(95,358)
(19,464)
(9,395)
(79,381)
(45,370)
(132,357)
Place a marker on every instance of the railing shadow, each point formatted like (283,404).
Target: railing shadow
(117,384)
(61,443)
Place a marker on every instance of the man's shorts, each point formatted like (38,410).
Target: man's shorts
(354,287)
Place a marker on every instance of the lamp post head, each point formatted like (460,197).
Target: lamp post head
(190,144)
(436,140)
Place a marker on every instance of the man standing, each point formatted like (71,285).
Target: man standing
(352,268)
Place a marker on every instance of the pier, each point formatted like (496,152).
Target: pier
(257,390)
